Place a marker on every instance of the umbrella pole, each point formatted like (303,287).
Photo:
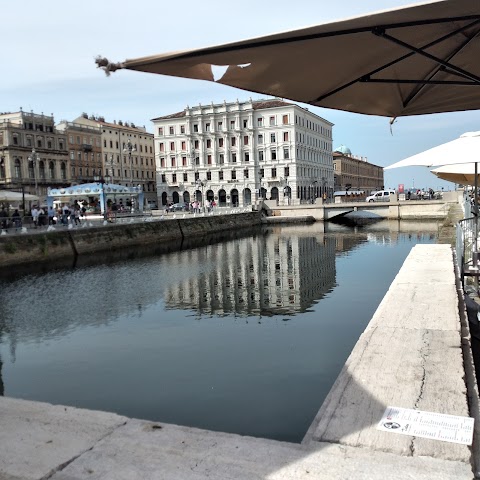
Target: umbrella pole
(475,213)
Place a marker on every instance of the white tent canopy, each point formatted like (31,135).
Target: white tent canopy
(9,196)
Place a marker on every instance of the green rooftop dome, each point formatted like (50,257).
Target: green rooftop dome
(343,149)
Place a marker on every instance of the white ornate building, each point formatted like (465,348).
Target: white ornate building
(235,153)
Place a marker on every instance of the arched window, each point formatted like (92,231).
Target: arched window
(31,169)
(18,168)
(51,170)
(63,171)
(41,168)
(2,167)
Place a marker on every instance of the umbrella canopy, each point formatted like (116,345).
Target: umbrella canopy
(407,61)
(463,174)
(457,151)
(8,196)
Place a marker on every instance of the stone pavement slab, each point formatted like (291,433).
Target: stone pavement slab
(142,450)
(37,438)
(409,356)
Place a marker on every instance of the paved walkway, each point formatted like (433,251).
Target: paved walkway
(409,356)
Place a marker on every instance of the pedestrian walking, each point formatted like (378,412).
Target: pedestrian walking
(17,220)
(35,213)
(51,216)
(65,214)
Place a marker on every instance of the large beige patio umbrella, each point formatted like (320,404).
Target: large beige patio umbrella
(407,61)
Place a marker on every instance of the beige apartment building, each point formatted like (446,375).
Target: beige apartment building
(84,150)
(127,154)
(355,173)
(33,153)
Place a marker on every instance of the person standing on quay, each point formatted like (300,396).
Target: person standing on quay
(35,214)
(51,216)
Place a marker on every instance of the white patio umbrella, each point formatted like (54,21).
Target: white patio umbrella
(458,152)
(455,154)
(463,173)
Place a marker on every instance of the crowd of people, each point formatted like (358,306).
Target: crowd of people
(43,216)
(192,207)
(420,194)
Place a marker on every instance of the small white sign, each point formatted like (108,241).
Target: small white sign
(436,426)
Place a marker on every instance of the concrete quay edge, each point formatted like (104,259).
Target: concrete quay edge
(424,357)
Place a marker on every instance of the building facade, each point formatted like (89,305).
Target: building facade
(127,153)
(33,153)
(237,153)
(84,150)
(355,173)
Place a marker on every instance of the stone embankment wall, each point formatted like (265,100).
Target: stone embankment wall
(43,247)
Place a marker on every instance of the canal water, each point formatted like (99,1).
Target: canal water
(244,335)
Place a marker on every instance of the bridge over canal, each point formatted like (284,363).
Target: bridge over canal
(411,210)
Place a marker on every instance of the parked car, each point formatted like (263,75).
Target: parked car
(177,207)
(382,196)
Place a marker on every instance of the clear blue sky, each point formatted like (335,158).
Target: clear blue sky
(48,66)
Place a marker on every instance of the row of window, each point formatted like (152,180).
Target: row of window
(135,147)
(84,140)
(86,158)
(221,175)
(316,127)
(147,137)
(38,142)
(126,173)
(109,160)
(221,158)
(313,141)
(221,142)
(209,126)
(46,169)
(38,126)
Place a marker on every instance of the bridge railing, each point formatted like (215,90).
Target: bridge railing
(467,243)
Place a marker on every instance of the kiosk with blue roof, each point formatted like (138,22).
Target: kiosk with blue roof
(104,191)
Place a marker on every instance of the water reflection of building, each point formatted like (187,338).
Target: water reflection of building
(269,274)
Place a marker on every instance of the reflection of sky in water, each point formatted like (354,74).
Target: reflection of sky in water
(123,337)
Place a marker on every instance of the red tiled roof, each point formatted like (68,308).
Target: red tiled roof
(270,104)
(172,115)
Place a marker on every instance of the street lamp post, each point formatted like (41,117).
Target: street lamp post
(129,149)
(312,190)
(103,181)
(34,158)
(202,184)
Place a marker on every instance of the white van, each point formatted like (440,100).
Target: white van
(382,196)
